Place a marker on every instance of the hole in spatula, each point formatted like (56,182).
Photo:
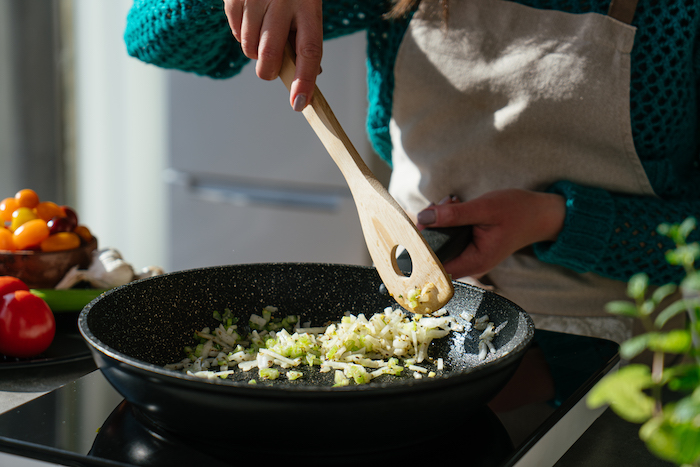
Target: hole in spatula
(403,264)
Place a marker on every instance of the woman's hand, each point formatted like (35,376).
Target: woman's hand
(263,27)
(503,222)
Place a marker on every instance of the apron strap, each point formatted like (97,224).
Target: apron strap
(622,10)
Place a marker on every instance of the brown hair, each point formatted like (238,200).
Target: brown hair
(403,7)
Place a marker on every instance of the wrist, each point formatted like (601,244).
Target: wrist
(586,229)
(554,214)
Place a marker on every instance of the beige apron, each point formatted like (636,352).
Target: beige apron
(535,96)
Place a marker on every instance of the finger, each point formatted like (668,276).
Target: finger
(234,13)
(253,14)
(470,263)
(308,46)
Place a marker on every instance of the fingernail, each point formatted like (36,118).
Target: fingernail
(299,103)
(426,217)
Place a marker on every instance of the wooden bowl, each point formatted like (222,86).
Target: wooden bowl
(43,270)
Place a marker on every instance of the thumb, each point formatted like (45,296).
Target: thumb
(443,214)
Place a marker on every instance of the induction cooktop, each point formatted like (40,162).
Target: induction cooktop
(87,423)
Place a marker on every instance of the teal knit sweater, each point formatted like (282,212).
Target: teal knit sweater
(611,234)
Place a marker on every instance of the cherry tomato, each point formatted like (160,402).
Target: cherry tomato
(61,241)
(27,198)
(83,232)
(20,216)
(60,224)
(27,325)
(30,234)
(7,207)
(6,240)
(9,284)
(71,214)
(46,210)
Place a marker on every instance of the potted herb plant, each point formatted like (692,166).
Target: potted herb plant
(670,426)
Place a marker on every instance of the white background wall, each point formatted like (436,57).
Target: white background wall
(120,136)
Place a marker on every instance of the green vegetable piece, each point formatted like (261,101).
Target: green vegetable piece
(269,373)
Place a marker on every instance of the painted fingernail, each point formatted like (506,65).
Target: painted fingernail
(299,102)
(426,217)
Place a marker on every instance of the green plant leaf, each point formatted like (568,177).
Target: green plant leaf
(634,346)
(637,286)
(622,308)
(687,226)
(669,312)
(686,410)
(676,341)
(673,438)
(691,283)
(662,292)
(683,378)
(623,390)
(683,255)
(647,308)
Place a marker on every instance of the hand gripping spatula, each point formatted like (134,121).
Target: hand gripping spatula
(385,225)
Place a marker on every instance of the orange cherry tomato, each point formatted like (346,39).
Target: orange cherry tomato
(20,216)
(46,210)
(83,232)
(30,234)
(27,198)
(7,207)
(6,240)
(61,241)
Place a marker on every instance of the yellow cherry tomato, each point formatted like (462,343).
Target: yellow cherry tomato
(6,241)
(61,241)
(20,216)
(30,234)
(27,198)
(7,207)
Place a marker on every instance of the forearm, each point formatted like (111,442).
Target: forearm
(188,35)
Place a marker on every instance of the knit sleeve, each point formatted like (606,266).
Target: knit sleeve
(189,35)
(616,235)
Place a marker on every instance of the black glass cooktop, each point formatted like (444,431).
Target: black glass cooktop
(87,423)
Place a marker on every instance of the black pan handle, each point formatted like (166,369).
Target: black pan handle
(446,242)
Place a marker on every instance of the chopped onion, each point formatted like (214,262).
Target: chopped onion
(356,348)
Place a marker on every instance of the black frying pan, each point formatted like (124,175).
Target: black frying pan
(135,329)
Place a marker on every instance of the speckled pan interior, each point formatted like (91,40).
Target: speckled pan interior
(148,323)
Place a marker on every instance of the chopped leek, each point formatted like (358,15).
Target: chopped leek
(357,348)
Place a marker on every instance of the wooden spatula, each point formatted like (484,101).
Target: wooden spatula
(384,223)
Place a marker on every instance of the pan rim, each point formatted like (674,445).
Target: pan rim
(263,390)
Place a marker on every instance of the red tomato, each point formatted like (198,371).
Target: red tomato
(27,325)
(9,284)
